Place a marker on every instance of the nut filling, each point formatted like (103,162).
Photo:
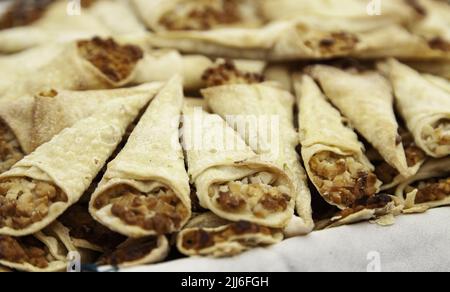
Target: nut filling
(414,155)
(202,15)
(257,194)
(227,73)
(129,252)
(10,150)
(117,62)
(342,179)
(437,137)
(198,239)
(25,201)
(24,12)
(24,250)
(431,190)
(161,210)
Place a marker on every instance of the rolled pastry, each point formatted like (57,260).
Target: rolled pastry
(176,15)
(145,190)
(267,111)
(333,156)
(136,252)
(367,100)
(424,106)
(429,188)
(209,235)
(40,187)
(27,122)
(230,178)
(310,37)
(87,64)
(45,251)
(56,110)
(52,24)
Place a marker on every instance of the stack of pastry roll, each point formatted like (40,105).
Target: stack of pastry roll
(366,99)
(28,122)
(235,184)
(209,27)
(335,160)
(424,103)
(265,120)
(99,63)
(44,184)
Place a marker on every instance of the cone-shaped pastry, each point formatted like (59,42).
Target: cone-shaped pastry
(45,251)
(209,235)
(231,179)
(424,106)
(27,122)
(161,15)
(55,110)
(52,25)
(367,100)
(429,188)
(145,190)
(264,117)
(40,187)
(136,252)
(87,64)
(332,154)
(336,163)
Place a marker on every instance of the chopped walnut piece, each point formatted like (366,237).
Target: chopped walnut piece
(433,190)
(161,210)
(342,179)
(24,250)
(437,137)
(26,201)
(10,150)
(256,193)
(116,61)
(202,15)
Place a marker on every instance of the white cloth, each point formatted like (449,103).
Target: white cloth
(415,243)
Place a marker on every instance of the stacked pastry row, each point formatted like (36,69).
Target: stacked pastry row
(101,155)
(257,29)
(118,153)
